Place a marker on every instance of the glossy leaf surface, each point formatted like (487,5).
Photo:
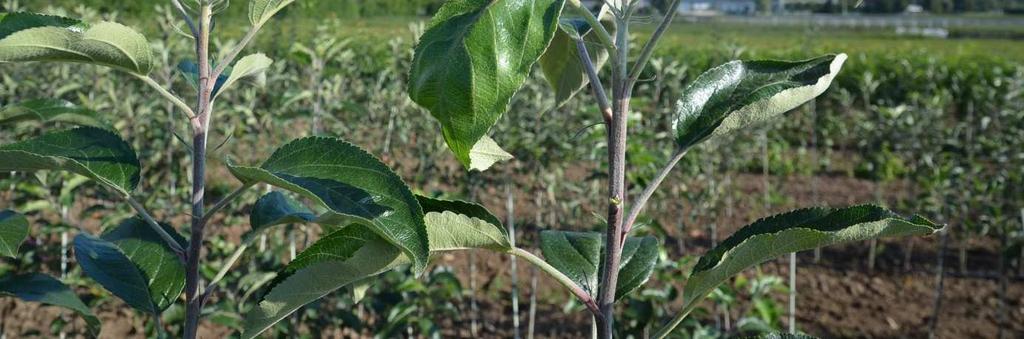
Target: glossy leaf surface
(639,256)
(575,254)
(160,266)
(260,11)
(739,94)
(350,184)
(474,56)
(795,231)
(105,263)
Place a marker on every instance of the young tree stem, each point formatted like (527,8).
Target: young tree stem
(617,179)
(200,128)
(595,82)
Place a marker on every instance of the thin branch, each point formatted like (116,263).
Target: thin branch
(188,19)
(223,64)
(567,282)
(665,331)
(224,269)
(223,203)
(595,81)
(641,201)
(602,34)
(645,55)
(167,94)
(175,246)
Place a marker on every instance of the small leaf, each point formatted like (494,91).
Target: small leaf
(260,11)
(743,93)
(351,184)
(52,110)
(458,225)
(366,255)
(795,231)
(92,152)
(190,71)
(486,153)
(575,254)
(273,209)
(474,56)
(561,62)
(31,37)
(13,232)
(106,264)
(639,255)
(44,289)
(253,65)
(163,270)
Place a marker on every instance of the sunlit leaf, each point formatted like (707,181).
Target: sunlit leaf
(31,37)
(253,65)
(743,93)
(458,225)
(161,267)
(260,11)
(351,185)
(474,56)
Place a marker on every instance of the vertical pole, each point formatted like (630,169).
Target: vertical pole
(511,223)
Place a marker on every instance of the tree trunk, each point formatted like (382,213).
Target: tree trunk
(940,279)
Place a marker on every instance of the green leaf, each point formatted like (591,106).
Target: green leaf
(575,254)
(474,56)
(486,153)
(52,110)
(17,21)
(106,264)
(96,153)
(350,184)
(13,232)
(561,62)
(44,289)
(253,65)
(459,225)
(639,255)
(795,231)
(260,11)
(30,37)
(742,93)
(190,71)
(274,209)
(365,255)
(160,266)
(580,256)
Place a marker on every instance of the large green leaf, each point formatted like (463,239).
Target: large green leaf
(13,231)
(273,209)
(96,153)
(561,62)
(364,254)
(52,110)
(260,11)
(741,93)
(161,267)
(459,225)
(474,56)
(105,263)
(30,37)
(795,231)
(44,289)
(350,184)
(575,254)
(253,65)
(639,256)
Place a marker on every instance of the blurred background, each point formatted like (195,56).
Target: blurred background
(926,117)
